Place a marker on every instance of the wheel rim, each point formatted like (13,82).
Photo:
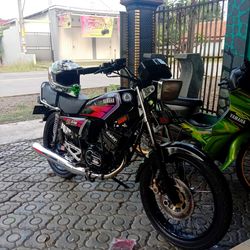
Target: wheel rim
(59,167)
(194,220)
(184,208)
(245,166)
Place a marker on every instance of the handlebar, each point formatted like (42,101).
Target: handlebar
(106,68)
(90,70)
(113,67)
(109,67)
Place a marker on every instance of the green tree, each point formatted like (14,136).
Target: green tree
(178,30)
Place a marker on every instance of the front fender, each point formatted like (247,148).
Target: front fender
(235,148)
(170,149)
(184,148)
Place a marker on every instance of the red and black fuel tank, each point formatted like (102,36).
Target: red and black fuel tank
(112,105)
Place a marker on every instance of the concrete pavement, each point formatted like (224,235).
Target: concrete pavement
(39,210)
(20,131)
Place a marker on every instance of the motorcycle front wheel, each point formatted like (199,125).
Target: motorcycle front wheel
(204,213)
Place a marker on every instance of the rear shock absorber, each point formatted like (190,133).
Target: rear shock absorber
(55,127)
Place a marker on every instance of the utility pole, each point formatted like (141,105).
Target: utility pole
(21,26)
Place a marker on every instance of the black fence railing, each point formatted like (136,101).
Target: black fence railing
(195,28)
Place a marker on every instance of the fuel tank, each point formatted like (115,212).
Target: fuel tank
(112,105)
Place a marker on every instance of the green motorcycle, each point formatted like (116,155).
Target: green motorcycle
(226,139)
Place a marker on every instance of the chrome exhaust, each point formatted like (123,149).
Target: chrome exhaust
(51,156)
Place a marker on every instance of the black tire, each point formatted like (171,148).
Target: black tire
(243,166)
(47,139)
(202,222)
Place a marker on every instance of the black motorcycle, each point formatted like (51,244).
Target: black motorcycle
(185,196)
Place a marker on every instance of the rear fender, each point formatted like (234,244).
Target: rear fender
(170,149)
(40,109)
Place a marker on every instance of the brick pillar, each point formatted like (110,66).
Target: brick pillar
(137,36)
(237,34)
(237,44)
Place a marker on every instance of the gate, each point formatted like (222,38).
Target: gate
(198,27)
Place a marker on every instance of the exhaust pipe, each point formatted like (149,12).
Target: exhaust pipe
(51,156)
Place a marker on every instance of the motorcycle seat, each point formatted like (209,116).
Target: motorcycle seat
(203,120)
(184,106)
(68,104)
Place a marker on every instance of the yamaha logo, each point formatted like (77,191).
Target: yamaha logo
(237,119)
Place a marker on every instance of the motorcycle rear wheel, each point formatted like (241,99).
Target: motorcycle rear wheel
(47,140)
(243,166)
(206,210)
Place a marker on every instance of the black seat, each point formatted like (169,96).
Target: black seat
(68,104)
(203,120)
(186,101)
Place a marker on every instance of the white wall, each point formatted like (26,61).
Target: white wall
(73,46)
(109,48)
(12,50)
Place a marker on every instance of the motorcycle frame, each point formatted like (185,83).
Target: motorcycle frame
(224,134)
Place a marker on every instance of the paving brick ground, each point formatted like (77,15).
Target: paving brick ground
(39,210)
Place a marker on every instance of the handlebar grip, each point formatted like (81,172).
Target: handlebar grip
(90,70)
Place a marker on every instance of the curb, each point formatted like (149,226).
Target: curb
(20,131)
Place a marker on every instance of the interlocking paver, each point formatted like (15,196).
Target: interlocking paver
(7,195)
(63,222)
(81,208)
(44,239)
(25,196)
(8,207)
(55,208)
(101,239)
(106,208)
(11,221)
(46,196)
(35,222)
(29,207)
(39,210)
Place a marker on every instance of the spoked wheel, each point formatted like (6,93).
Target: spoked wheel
(202,215)
(243,166)
(47,141)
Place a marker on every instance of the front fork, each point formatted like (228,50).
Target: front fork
(164,183)
(161,182)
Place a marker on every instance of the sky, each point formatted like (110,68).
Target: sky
(9,9)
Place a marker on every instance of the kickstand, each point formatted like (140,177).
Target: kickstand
(120,182)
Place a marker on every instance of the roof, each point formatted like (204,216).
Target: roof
(3,22)
(212,29)
(89,7)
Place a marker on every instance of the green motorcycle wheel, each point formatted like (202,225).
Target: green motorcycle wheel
(243,166)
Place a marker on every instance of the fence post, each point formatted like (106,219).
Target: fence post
(139,36)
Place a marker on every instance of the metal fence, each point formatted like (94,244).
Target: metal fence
(198,27)
(39,43)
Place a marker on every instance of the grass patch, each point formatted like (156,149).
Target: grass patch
(20,67)
(20,108)
(21,112)
(26,67)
